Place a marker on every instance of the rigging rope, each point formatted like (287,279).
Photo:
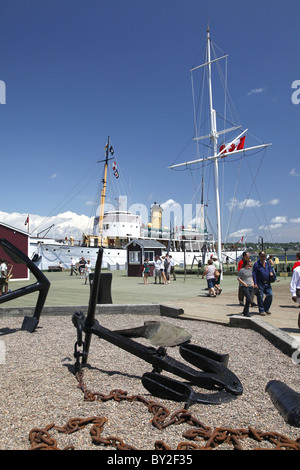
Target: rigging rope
(254,177)
(59,206)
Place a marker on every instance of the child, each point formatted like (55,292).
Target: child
(146,270)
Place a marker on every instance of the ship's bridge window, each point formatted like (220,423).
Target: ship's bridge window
(134,257)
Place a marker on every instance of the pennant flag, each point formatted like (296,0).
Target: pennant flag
(237,144)
(26,221)
(110,149)
(241,240)
(115,170)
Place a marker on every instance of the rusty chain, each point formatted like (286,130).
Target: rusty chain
(200,436)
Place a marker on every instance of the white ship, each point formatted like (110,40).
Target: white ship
(186,245)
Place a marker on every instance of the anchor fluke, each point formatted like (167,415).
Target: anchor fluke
(158,333)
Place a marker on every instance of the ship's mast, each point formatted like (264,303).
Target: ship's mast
(214,138)
(202,208)
(103,190)
(214,134)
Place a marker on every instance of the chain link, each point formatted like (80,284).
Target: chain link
(202,436)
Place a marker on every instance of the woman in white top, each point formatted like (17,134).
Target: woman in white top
(209,272)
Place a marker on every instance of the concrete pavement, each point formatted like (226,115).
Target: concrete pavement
(188,293)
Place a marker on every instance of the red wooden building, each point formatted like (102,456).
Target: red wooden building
(138,251)
(21,240)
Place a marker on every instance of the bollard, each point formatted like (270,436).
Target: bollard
(104,291)
(286,400)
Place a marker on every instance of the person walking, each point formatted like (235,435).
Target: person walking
(73,267)
(218,271)
(157,271)
(295,288)
(146,270)
(241,295)
(172,271)
(245,256)
(82,264)
(209,272)
(87,271)
(261,278)
(3,275)
(246,284)
(167,266)
(162,270)
(297,262)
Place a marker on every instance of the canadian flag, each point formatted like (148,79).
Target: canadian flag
(237,144)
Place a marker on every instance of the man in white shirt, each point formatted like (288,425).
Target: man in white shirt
(157,270)
(172,264)
(295,288)
(73,267)
(3,274)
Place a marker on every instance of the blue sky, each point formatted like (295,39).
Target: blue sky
(79,70)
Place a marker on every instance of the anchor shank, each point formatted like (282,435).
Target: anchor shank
(94,291)
(152,356)
(92,305)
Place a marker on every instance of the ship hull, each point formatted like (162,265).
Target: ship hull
(51,254)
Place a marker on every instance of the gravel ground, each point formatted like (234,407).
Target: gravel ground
(38,386)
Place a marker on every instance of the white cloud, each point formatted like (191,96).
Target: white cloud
(279,219)
(250,203)
(53,176)
(168,204)
(65,224)
(273,202)
(276,222)
(244,232)
(172,211)
(256,91)
(270,227)
(295,221)
(246,203)
(293,172)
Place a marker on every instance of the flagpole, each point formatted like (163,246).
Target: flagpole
(27,222)
(199,160)
(214,137)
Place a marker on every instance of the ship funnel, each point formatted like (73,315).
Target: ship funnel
(156,216)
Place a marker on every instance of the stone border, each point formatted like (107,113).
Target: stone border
(134,309)
(282,340)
